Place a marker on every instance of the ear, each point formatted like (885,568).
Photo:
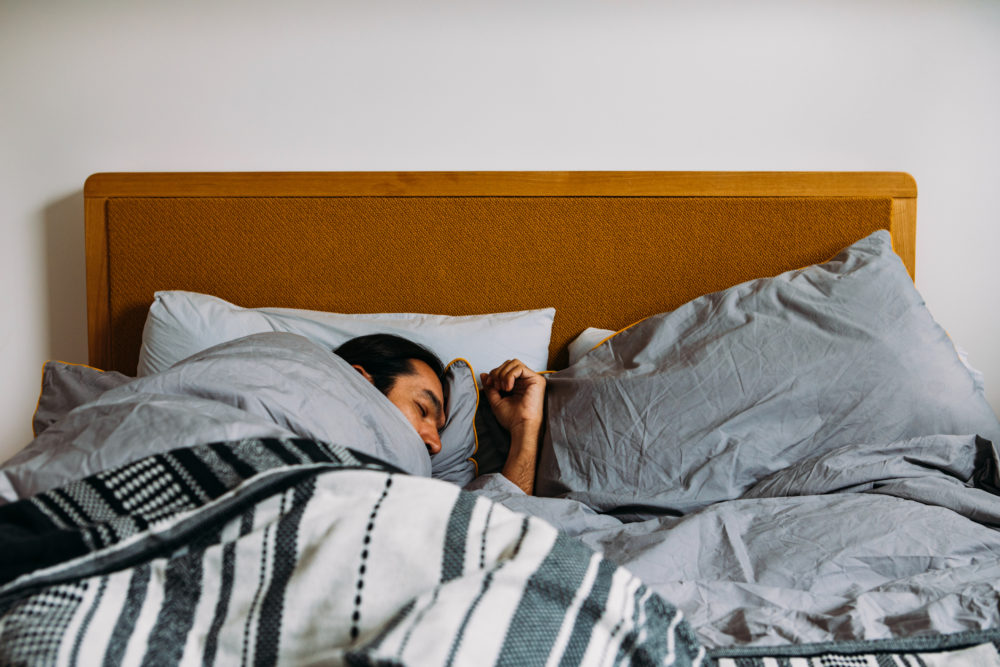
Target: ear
(359,368)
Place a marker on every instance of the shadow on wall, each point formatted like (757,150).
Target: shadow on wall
(66,275)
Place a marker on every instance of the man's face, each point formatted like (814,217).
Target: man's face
(420,398)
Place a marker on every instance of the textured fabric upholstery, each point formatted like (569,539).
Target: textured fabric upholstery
(600,261)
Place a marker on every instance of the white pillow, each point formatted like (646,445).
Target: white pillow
(587,340)
(180,324)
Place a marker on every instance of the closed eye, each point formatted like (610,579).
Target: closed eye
(439,416)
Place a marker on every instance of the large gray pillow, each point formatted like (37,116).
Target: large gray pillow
(696,405)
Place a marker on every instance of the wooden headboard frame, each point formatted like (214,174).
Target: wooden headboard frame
(604,248)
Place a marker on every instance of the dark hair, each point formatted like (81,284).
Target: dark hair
(385,357)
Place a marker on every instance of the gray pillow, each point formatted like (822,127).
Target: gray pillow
(696,405)
(458,438)
(67,386)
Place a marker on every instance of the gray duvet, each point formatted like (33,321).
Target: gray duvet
(801,459)
(796,459)
(261,386)
(865,543)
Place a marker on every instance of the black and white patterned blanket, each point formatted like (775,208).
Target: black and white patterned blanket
(296,552)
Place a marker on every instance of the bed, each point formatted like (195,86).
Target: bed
(760,448)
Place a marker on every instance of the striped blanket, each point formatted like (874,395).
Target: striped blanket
(295,552)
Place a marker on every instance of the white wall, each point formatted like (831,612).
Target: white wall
(911,85)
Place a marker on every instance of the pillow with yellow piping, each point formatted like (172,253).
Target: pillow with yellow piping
(454,462)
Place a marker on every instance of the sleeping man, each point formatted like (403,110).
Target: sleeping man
(411,377)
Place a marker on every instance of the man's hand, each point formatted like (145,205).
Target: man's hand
(517,397)
(516,394)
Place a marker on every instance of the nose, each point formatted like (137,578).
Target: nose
(432,439)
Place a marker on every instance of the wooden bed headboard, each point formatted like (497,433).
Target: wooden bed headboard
(604,248)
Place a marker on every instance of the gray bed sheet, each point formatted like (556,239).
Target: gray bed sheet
(865,542)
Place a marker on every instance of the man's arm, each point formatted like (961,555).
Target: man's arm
(517,397)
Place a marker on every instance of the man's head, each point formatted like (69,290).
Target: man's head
(410,375)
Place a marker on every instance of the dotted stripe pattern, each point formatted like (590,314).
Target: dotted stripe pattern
(33,629)
(363,567)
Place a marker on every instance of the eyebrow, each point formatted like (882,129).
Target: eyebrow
(438,409)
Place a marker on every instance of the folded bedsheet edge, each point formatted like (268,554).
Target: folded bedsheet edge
(982,643)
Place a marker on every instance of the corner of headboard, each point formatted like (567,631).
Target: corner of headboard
(904,223)
(98,288)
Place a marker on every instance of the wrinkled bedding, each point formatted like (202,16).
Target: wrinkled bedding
(274,385)
(314,537)
(800,464)
(796,459)
(696,405)
(862,543)
(296,552)
(865,541)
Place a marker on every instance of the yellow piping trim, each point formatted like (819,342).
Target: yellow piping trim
(475,435)
(619,331)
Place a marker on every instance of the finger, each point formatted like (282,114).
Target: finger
(491,379)
(497,376)
(524,377)
(497,369)
(510,365)
(492,396)
(516,364)
(508,379)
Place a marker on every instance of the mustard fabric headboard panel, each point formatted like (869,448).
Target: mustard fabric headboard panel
(603,261)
